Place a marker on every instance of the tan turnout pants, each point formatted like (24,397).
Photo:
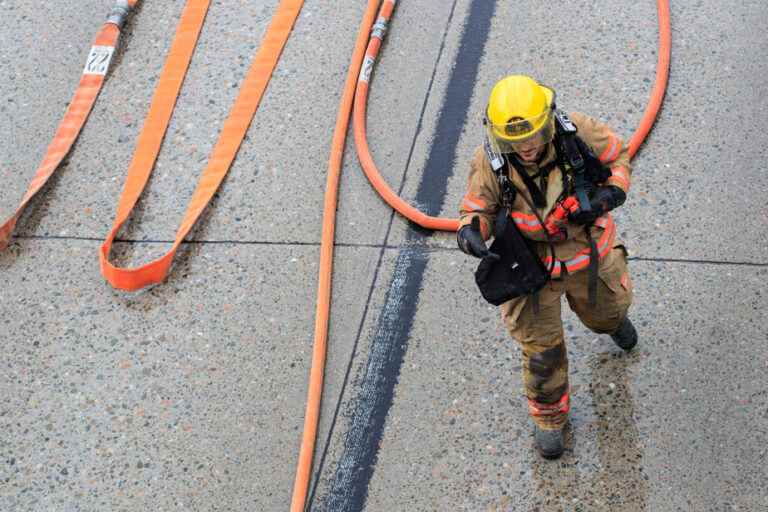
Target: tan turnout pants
(540,335)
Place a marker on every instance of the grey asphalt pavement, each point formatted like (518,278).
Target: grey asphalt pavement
(190,395)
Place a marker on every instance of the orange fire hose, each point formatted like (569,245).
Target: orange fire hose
(319,350)
(156,124)
(445,224)
(95,71)
(361,138)
(660,85)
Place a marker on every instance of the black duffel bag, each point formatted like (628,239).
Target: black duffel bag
(519,271)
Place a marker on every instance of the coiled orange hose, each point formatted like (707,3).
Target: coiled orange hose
(446,224)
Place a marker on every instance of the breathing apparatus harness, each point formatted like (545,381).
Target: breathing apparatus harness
(585,172)
(520,271)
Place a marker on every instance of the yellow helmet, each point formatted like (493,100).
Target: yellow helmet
(518,110)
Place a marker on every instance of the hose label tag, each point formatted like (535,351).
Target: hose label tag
(365,71)
(98,60)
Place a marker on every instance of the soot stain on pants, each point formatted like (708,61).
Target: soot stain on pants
(543,365)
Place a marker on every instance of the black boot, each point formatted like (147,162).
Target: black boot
(549,442)
(626,335)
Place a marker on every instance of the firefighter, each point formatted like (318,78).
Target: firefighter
(527,146)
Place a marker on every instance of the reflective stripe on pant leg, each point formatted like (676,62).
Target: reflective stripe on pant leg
(614,294)
(545,361)
(561,406)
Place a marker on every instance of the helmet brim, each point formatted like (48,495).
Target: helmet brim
(521,130)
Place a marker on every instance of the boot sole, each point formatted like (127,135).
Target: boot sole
(550,455)
(626,348)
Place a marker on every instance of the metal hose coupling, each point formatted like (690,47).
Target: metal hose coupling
(379,29)
(119,13)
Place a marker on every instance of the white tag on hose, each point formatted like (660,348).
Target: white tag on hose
(98,60)
(365,71)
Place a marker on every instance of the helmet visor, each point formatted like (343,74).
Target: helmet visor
(522,134)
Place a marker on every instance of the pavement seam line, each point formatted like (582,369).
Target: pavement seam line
(385,246)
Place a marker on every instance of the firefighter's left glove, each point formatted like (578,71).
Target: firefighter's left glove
(605,199)
(471,242)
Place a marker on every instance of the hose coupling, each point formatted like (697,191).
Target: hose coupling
(119,13)
(379,28)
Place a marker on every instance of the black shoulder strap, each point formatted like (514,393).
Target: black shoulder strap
(499,166)
(572,160)
(579,161)
(596,172)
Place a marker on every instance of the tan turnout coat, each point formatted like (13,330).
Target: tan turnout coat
(483,197)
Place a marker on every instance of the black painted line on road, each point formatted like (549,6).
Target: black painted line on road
(349,486)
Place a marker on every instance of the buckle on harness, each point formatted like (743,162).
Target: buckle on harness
(495,159)
(564,122)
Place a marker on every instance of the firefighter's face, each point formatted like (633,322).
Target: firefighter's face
(530,149)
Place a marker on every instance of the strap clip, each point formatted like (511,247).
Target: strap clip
(564,124)
(495,159)
(498,164)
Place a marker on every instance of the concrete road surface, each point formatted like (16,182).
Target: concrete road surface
(190,395)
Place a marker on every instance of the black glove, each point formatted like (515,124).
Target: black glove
(471,241)
(605,199)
